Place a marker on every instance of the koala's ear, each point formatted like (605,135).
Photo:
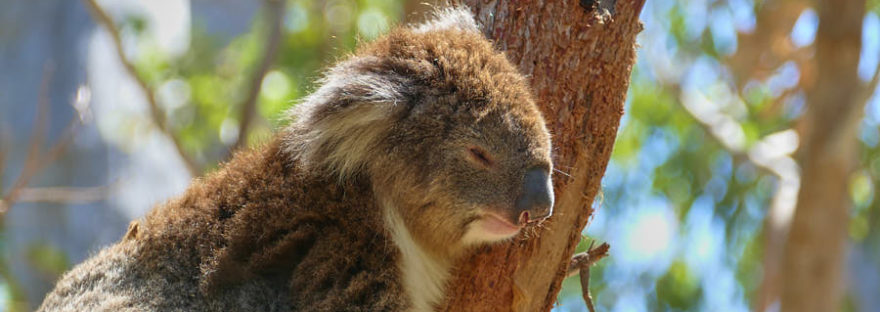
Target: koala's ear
(459,17)
(339,127)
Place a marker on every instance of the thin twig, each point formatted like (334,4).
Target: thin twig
(35,164)
(38,135)
(60,145)
(585,289)
(581,263)
(3,149)
(275,11)
(587,258)
(65,195)
(158,116)
(36,161)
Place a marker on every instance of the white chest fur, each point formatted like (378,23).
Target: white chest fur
(424,276)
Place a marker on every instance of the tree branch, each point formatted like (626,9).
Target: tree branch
(871,86)
(156,113)
(581,263)
(275,11)
(782,206)
(587,258)
(35,164)
(38,134)
(3,149)
(715,123)
(63,194)
(773,23)
(814,255)
(35,161)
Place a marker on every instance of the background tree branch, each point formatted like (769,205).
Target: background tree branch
(813,260)
(156,113)
(63,195)
(36,160)
(275,12)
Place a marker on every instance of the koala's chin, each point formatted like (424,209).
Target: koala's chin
(490,228)
(493,227)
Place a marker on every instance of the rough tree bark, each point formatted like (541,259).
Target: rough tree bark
(812,266)
(579,62)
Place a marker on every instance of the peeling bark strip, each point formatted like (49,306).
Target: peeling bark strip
(579,64)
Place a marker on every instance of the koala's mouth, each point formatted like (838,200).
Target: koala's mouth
(498,225)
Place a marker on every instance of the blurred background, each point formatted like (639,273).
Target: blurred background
(97,126)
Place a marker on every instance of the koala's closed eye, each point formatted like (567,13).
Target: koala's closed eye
(480,156)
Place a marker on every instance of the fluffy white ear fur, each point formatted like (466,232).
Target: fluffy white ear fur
(459,18)
(337,127)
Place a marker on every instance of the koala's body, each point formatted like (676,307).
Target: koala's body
(420,146)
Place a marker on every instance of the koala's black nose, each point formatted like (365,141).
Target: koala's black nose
(535,202)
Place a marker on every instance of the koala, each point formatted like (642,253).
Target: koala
(421,146)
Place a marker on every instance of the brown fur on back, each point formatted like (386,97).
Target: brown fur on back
(262,217)
(260,220)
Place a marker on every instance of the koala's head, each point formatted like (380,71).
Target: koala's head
(443,127)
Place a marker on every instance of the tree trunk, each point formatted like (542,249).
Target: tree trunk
(579,63)
(813,262)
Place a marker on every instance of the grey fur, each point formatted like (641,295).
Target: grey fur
(459,18)
(111,281)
